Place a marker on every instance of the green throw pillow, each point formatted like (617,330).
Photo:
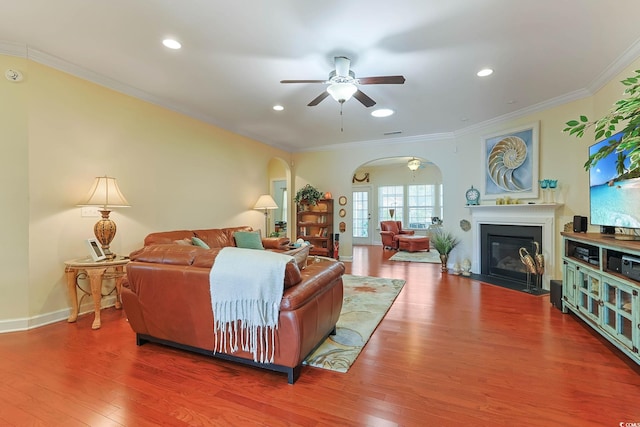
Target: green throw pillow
(248,239)
(199,242)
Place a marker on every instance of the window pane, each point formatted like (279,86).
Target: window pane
(420,205)
(391,197)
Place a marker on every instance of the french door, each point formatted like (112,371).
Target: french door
(362,226)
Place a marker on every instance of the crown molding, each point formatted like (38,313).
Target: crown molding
(378,142)
(24,51)
(622,62)
(13,49)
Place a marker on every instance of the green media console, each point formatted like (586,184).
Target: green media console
(601,285)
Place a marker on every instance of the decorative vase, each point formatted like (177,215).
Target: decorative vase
(443,259)
(328,195)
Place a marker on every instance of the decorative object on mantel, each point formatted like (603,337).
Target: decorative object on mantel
(568,227)
(465,225)
(627,110)
(444,242)
(510,163)
(309,194)
(548,187)
(473,196)
(363,179)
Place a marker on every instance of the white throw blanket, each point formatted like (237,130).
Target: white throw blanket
(246,289)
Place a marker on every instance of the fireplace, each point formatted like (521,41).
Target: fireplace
(500,250)
(538,215)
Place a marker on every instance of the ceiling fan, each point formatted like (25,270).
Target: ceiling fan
(343,84)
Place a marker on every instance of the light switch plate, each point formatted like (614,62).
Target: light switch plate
(89,211)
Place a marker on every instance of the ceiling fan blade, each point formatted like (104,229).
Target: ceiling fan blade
(303,81)
(342,65)
(364,99)
(382,80)
(318,99)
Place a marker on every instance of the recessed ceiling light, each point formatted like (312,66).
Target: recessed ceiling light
(484,72)
(278,107)
(171,43)
(382,112)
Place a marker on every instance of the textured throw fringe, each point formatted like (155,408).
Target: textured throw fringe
(252,334)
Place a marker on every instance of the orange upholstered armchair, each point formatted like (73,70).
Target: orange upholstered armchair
(388,232)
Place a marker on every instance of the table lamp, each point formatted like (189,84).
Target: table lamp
(105,193)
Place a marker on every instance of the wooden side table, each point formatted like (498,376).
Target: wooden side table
(96,271)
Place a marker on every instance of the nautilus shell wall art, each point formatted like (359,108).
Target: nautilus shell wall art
(503,162)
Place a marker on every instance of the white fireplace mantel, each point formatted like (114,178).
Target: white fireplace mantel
(538,214)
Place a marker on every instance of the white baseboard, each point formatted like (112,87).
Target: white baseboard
(26,323)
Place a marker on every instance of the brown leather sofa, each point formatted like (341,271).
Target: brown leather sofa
(167,298)
(390,231)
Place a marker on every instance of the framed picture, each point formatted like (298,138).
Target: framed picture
(95,250)
(510,163)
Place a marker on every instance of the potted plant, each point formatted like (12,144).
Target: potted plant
(626,110)
(308,194)
(444,242)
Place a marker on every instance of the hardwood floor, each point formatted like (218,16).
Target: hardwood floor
(451,351)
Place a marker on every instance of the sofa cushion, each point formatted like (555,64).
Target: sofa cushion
(196,241)
(165,237)
(184,242)
(167,254)
(219,237)
(248,240)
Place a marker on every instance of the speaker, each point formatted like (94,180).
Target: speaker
(579,224)
(605,229)
(555,297)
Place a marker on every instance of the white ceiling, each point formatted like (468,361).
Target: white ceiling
(235,54)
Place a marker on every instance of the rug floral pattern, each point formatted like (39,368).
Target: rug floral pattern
(432,256)
(366,301)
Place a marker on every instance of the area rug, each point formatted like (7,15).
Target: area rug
(432,256)
(366,301)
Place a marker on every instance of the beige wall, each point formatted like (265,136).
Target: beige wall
(58,133)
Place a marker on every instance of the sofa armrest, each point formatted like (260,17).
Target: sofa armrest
(280,243)
(316,279)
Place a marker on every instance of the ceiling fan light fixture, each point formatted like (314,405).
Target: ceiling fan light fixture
(342,92)
(414,164)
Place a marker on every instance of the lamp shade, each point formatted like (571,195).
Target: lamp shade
(105,192)
(265,202)
(342,92)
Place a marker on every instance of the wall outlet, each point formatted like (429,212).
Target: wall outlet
(88,211)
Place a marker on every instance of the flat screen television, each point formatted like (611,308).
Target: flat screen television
(614,192)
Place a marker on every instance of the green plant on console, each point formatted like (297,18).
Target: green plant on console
(309,194)
(626,110)
(444,241)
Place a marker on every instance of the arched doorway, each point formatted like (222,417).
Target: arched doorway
(387,188)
